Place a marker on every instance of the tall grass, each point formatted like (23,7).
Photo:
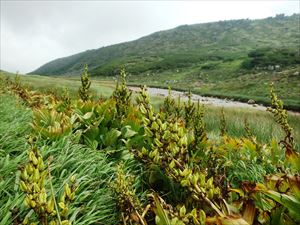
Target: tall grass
(12,152)
(58,84)
(261,123)
(94,203)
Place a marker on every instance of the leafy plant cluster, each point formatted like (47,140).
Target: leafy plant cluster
(93,201)
(185,176)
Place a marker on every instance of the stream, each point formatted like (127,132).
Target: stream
(160,92)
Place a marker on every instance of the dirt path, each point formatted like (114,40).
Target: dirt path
(204,100)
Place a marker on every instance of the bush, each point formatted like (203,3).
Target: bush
(264,57)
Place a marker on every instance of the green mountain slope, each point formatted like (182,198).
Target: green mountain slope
(235,59)
(182,47)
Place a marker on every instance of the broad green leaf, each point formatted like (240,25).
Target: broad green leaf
(290,202)
(111,137)
(127,132)
(92,133)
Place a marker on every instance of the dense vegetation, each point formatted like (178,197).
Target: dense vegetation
(269,57)
(115,160)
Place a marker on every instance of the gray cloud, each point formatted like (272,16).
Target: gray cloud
(35,32)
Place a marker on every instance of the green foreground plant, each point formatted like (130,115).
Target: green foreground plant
(221,179)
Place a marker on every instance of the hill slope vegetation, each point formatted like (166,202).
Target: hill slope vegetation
(234,59)
(184,46)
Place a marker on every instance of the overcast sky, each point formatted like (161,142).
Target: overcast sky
(35,32)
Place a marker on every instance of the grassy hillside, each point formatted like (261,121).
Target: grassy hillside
(225,81)
(184,46)
(235,59)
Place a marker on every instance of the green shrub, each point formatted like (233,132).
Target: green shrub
(265,57)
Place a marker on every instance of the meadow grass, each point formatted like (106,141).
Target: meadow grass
(12,153)
(58,84)
(94,202)
(229,82)
(261,123)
